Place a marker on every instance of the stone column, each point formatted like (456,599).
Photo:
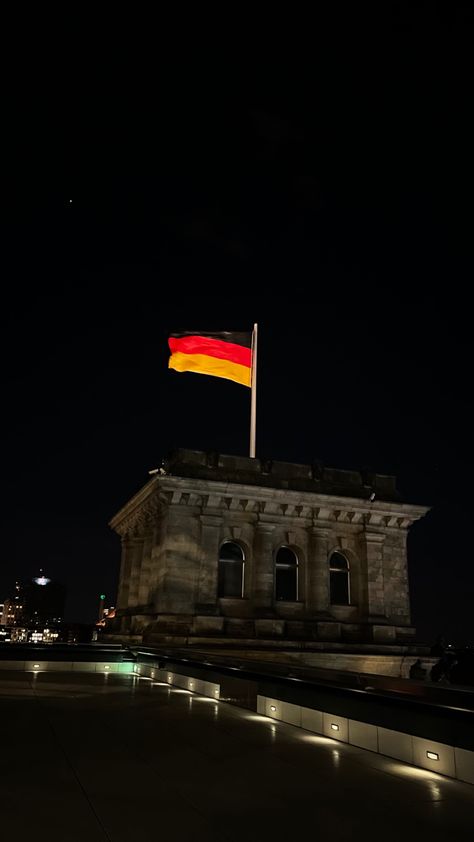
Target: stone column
(124,579)
(208,566)
(136,551)
(318,569)
(375,585)
(263,579)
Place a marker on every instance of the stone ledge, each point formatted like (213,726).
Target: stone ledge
(207,624)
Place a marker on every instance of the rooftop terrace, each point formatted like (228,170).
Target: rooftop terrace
(97,756)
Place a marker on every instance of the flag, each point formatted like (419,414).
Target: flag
(225,354)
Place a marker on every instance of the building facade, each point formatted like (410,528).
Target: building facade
(13,608)
(232,547)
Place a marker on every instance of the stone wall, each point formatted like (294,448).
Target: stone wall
(172,531)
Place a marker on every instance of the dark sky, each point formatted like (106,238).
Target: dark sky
(329,196)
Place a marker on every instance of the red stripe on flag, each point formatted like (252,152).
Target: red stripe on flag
(211,347)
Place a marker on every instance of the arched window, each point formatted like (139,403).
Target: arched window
(286,575)
(339,585)
(231,570)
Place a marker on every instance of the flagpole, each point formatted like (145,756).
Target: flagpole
(253,398)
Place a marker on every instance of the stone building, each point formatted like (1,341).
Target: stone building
(239,548)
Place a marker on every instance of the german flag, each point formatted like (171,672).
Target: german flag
(227,355)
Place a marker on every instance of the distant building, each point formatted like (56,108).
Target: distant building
(44,635)
(34,613)
(232,547)
(13,608)
(44,602)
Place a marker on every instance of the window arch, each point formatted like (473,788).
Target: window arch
(286,575)
(231,570)
(339,579)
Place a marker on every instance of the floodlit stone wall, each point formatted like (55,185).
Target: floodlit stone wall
(173,529)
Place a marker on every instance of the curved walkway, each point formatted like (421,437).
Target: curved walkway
(91,757)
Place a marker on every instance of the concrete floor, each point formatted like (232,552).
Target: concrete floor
(90,757)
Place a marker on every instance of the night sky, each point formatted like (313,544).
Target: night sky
(329,198)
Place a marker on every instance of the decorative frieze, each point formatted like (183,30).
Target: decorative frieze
(138,519)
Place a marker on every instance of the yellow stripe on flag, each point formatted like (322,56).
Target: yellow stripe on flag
(202,364)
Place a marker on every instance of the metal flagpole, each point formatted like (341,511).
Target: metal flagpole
(253,399)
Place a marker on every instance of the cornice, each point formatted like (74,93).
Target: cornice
(227,500)
(140,513)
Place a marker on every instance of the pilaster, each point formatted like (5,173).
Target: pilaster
(124,579)
(136,551)
(374,542)
(318,569)
(179,563)
(211,528)
(263,579)
(145,570)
